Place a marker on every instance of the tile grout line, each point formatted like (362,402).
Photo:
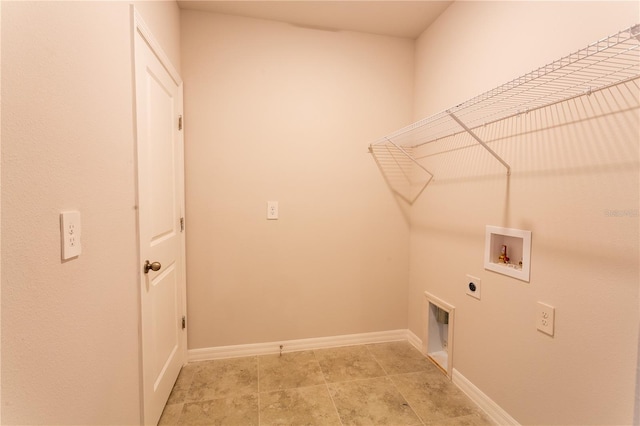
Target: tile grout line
(422,422)
(187,392)
(387,375)
(326,384)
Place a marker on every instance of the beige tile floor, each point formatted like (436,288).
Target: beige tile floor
(377,384)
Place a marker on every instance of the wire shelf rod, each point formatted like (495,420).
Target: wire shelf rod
(558,85)
(604,63)
(520,113)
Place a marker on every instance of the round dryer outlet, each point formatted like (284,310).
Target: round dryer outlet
(473,286)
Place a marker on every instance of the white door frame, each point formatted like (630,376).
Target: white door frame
(140,27)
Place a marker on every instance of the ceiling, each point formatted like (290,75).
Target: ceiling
(392,18)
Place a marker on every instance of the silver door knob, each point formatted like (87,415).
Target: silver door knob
(155,266)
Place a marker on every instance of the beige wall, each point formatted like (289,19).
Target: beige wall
(277,112)
(565,177)
(70,329)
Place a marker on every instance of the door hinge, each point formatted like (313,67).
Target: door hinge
(184,322)
(182,224)
(179,122)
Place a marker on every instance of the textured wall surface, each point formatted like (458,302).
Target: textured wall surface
(70,348)
(278,112)
(569,172)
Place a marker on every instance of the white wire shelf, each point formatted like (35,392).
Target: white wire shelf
(606,63)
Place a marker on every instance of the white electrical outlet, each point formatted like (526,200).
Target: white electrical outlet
(473,286)
(272,210)
(545,318)
(70,232)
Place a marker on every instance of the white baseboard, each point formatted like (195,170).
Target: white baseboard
(415,341)
(493,410)
(253,349)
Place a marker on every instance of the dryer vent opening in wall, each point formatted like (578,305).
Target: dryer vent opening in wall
(438,341)
(442,316)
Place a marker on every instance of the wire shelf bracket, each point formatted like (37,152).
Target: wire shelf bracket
(480,141)
(401,170)
(604,64)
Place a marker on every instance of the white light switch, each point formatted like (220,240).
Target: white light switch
(272,210)
(70,232)
(545,318)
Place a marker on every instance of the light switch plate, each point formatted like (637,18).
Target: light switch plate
(70,232)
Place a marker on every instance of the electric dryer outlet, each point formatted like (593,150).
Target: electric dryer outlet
(473,285)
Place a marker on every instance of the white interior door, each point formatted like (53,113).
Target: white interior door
(160,225)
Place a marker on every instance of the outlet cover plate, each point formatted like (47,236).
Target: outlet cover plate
(272,210)
(545,318)
(70,232)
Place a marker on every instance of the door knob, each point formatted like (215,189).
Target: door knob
(155,266)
